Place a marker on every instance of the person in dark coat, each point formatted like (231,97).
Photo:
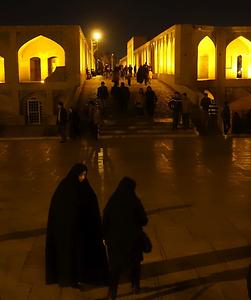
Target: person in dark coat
(140,74)
(123,218)
(103,95)
(226,116)
(115,93)
(62,121)
(150,102)
(75,252)
(175,104)
(124,97)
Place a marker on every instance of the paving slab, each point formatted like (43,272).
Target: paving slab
(196,192)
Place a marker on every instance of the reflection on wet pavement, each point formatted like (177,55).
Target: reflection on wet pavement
(196,191)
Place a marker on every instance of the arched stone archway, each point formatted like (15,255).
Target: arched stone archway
(2,70)
(44,49)
(206,59)
(238,59)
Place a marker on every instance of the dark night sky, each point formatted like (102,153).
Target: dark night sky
(120,20)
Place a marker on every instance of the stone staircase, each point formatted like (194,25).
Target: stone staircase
(141,128)
(117,125)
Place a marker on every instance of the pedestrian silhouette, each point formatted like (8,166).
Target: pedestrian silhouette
(225,115)
(123,219)
(62,121)
(74,246)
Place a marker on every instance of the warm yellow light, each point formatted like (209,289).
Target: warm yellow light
(97,35)
(238,47)
(206,59)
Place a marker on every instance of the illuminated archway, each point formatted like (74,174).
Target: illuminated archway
(206,59)
(50,53)
(238,59)
(2,70)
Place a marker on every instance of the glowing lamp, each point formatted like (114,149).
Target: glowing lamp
(97,35)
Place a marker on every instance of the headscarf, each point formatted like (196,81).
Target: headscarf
(75,171)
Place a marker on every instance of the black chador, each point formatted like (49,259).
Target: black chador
(123,219)
(74,249)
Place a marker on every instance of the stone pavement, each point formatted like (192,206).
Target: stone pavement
(196,192)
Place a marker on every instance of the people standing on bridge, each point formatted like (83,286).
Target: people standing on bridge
(123,219)
(226,116)
(129,75)
(204,104)
(175,104)
(75,252)
(186,110)
(115,75)
(150,102)
(145,73)
(124,97)
(102,95)
(115,93)
(140,74)
(62,121)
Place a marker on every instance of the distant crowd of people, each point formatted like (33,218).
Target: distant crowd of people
(213,119)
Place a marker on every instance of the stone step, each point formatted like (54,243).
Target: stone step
(138,131)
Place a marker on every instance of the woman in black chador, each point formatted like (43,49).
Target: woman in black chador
(123,219)
(74,247)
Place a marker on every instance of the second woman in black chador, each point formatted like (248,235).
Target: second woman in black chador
(74,247)
(123,219)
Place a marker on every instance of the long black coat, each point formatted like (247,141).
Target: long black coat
(123,218)
(74,248)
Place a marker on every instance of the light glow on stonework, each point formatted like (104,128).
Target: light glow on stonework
(206,59)
(2,70)
(50,53)
(238,59)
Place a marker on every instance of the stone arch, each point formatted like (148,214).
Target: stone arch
(206,59)
(2,70)
(42,48)
(238,59)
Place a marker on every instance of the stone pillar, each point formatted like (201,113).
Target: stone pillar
(220,65)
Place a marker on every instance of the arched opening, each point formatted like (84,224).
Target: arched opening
(210,95)
(52,64)
(2,70)
(35,69)
(50,53)
(206,59)
(238,59)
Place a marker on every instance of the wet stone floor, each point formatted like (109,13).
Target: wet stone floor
(196,191)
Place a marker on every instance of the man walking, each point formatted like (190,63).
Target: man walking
(204,104)
(62,121)
(225,115)
(103,95)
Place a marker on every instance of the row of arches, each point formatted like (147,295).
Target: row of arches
(238,59)
(37,59)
